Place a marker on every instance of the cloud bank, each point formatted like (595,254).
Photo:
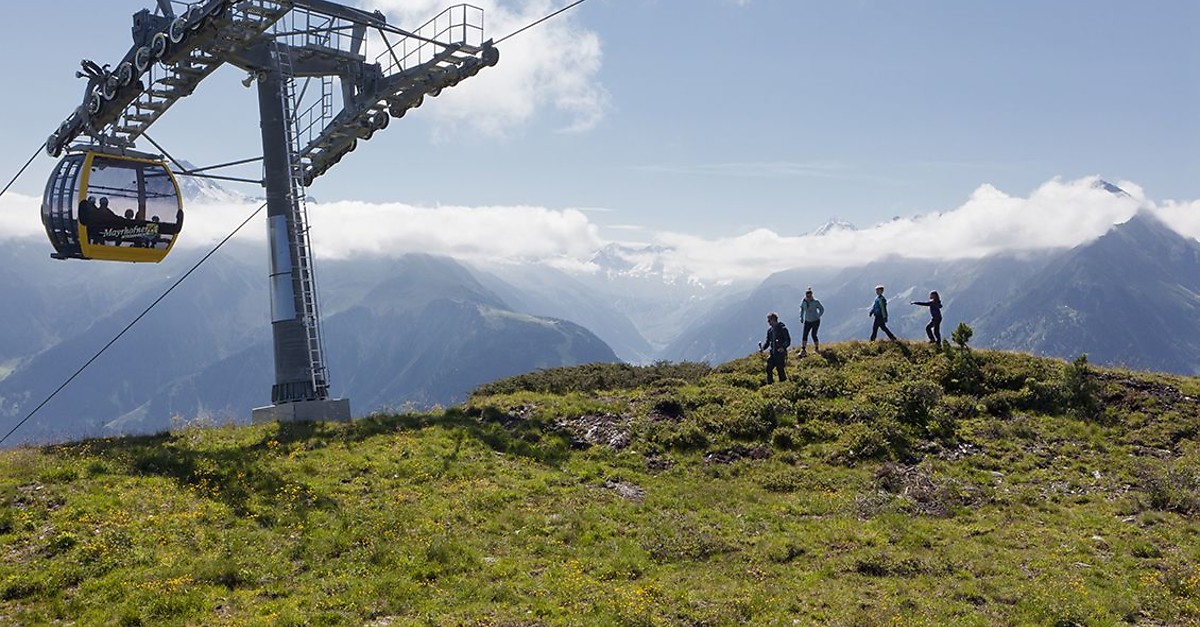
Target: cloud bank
(1055,215)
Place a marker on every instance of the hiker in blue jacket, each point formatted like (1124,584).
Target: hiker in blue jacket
(811,311)
(778,341)
(879,313)
(934,328)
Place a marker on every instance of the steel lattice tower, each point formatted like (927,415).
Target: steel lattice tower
(303,56)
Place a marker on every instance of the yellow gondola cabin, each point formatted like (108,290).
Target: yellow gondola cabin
(113,206)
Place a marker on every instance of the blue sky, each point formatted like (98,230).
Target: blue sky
(715,118)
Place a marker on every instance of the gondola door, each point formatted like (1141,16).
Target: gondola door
(129,209)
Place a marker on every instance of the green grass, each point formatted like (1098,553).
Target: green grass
(882,484)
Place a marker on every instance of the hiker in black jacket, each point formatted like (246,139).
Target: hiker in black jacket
(778,341)
(934,328)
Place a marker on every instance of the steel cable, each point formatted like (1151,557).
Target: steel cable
(531,25)
(22,170)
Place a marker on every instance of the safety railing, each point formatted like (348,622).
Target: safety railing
(459,24)
(306,30)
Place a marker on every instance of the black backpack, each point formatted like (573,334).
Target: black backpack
(782,339)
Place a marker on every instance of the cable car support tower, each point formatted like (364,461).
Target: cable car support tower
(302,55)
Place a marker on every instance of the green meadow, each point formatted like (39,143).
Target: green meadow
(882,484)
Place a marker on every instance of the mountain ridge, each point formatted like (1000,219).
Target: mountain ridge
(1141,271)
(389,341)
(1131,298)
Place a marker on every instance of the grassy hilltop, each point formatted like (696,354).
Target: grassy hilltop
(886,483)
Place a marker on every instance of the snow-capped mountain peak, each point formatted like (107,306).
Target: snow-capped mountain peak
(639,260)
(201,190)
(1110,188)
(834,225)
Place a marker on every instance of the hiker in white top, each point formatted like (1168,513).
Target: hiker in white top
(811,310)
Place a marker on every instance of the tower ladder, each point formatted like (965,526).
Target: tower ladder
(298,228)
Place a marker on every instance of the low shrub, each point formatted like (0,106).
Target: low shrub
(858,441)
(1002,403)
(681,436)
(787,438)
(1173,487)
(783,552)
(965,374)
(594,377)
(850,411)
(917,400)
(922,492)
(1041,395)
(783,481)
(1081,391)
(887,565)
(818,383)
(1164,430)
(741,380)
(813,431)
(17,587)
(670,407)
(962,335)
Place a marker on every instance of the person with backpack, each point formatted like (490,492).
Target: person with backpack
(811,311)
(778,341)
(934,328)
(879,313)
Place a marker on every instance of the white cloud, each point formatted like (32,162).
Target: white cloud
(344,229)
(20,217)
(477,233)
(553,65)
(1056,214)
(1184,217)
(205,224)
